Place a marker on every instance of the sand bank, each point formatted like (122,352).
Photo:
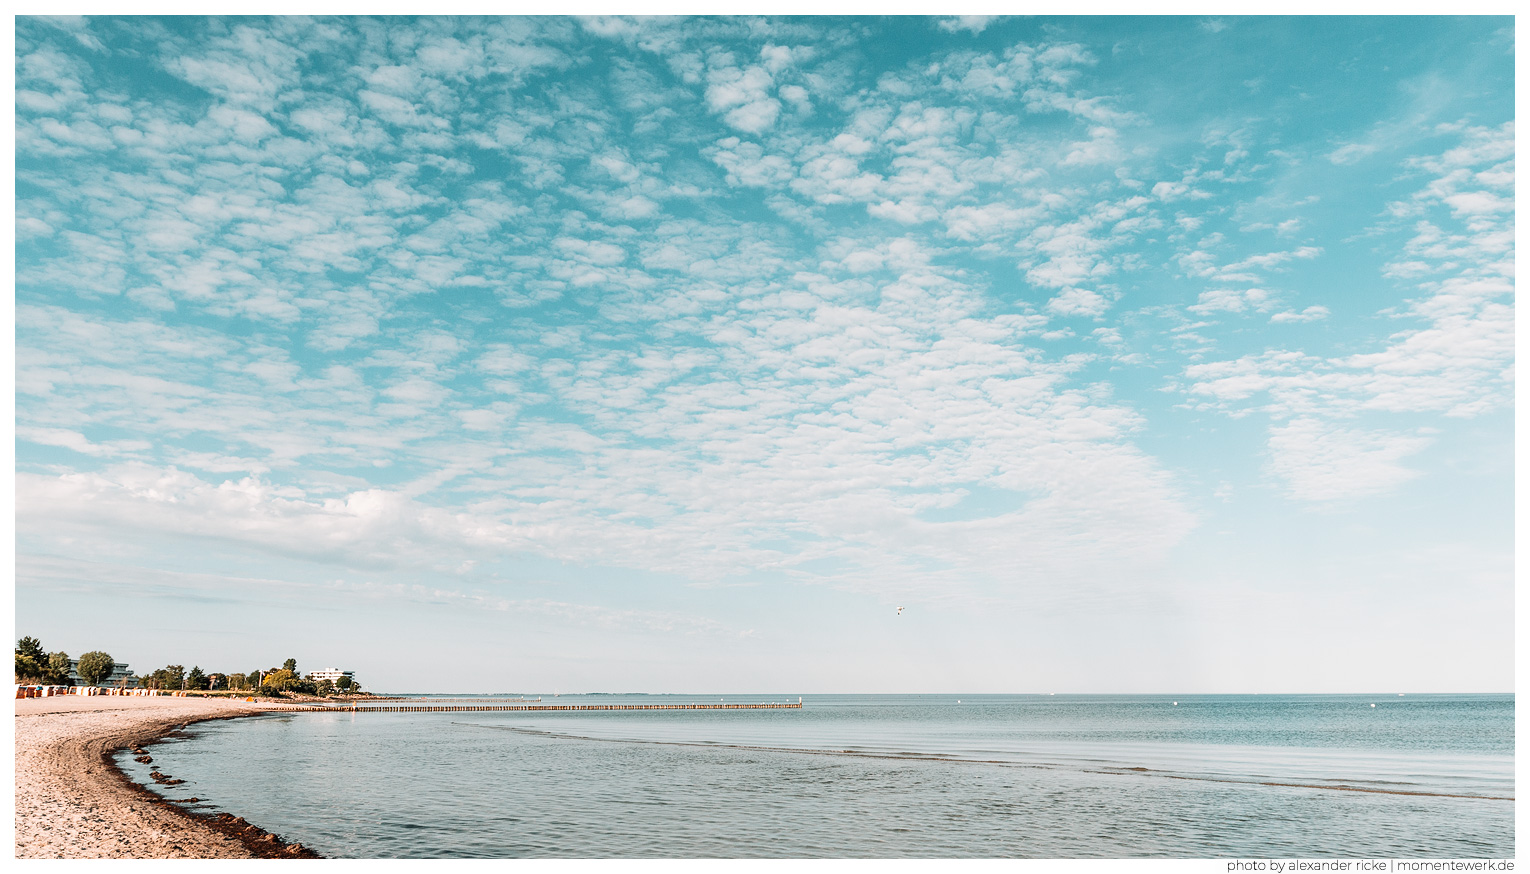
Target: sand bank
(72,803)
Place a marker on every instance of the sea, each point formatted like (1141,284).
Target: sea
(871,777)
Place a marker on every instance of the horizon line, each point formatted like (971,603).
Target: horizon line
(974,694)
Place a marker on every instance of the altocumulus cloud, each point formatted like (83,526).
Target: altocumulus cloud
(727,299)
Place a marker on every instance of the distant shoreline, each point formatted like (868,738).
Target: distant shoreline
(73,802)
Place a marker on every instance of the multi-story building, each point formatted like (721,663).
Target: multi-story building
(120,676)
(332,674)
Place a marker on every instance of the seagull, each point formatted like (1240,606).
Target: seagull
(900,611)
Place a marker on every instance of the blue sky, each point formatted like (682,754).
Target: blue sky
(1126,354)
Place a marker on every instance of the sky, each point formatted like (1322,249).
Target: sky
(678,354)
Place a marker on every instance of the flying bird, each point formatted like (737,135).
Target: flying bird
(900,611)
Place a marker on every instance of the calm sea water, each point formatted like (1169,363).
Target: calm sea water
(877,776)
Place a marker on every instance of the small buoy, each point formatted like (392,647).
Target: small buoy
(1373,705)
(1176,703)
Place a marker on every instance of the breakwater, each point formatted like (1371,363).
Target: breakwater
(444,700)
(485,708)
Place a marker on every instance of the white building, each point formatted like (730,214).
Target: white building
(332,674)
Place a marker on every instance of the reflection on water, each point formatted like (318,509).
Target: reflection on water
(878,776)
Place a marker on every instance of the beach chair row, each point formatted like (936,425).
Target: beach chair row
(38,691)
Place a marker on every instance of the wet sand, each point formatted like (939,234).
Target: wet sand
(73,803)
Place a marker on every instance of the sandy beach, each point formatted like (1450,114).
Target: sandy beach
(72,803)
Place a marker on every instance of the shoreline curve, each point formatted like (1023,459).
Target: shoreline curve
(73,802)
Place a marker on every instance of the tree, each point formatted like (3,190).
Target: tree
(345,683)
(279,680)
(58,669)
(324,687)
(196,679)
(290,666)
(32,649)
(27,669)
(168,677)
(95,667)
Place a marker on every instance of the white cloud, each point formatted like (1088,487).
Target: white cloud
(742,96)
(1102,147)
(974,24)
(1454,358)
(368,528)
(61,437)
(989,220)
(1479,203)
(1078,302)
(1319,462)
(1170,191)
(903,212)
(1352,153)
(246,66)
(591,251)
(1234,301)
(748,165)
(1310,314)
(1270,260)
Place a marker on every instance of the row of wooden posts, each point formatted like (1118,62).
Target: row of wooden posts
(480,708)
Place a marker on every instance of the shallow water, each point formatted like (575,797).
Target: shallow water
(877,776)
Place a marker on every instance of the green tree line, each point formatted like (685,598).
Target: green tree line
(35,665)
